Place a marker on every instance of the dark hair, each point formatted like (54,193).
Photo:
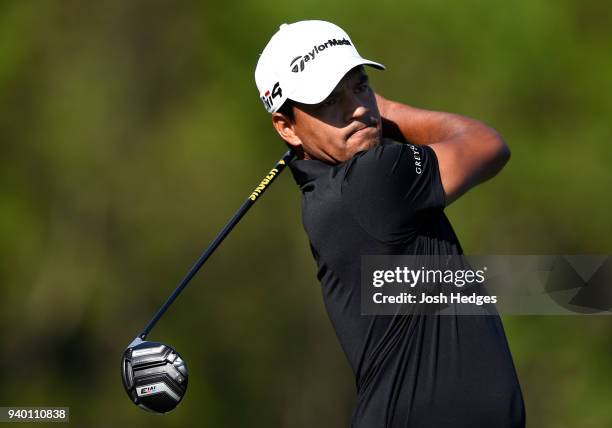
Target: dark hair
(287,110)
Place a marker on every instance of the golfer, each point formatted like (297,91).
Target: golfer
(375,176)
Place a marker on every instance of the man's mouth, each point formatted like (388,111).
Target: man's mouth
(359,130)
(363,129)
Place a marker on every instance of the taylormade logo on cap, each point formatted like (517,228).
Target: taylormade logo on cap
(296,66)
(304,62)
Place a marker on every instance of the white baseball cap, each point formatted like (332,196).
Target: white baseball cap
(304,62)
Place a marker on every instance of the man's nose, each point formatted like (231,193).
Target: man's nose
(360,111)
(356,108)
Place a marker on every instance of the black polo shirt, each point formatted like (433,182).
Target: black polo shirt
(410,370)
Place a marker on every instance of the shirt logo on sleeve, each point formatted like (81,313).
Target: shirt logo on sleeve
(417,159)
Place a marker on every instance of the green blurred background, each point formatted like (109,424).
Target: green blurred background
(130,131)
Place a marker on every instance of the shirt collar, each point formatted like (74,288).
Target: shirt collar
(305,171)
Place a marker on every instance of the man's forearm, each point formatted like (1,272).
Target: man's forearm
(469,152)
(404,123)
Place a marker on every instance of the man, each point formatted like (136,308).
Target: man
(364,194)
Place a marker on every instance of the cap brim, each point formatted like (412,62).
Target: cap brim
(322,81)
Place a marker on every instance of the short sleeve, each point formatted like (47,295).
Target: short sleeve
(388,188)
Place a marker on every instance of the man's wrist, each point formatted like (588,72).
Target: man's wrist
(390,129)
(382,105)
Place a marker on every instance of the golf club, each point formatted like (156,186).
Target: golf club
(154,374)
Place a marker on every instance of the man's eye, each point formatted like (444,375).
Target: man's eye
(362,88)
(328,102)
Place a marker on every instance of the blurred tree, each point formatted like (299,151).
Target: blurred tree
(131,131)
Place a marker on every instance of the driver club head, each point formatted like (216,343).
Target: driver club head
(154,376)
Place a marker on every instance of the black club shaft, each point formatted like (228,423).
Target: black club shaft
(259,190)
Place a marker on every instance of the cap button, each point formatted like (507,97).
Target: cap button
(283,26)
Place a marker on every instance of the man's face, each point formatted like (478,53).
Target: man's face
(346,122)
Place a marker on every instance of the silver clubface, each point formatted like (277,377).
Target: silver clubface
(154,376)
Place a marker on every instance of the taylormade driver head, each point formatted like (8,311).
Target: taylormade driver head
(154,376)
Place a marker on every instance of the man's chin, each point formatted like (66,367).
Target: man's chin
(364,143)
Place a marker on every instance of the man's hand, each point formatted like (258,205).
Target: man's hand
(468,151)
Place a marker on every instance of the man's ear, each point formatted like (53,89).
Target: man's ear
(286,129)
